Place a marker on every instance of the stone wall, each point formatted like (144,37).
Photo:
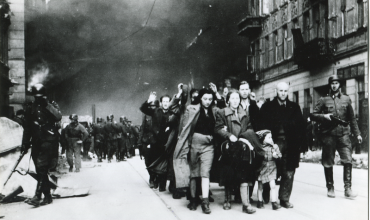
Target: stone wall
(16,53)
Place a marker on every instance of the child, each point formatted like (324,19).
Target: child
(268,169)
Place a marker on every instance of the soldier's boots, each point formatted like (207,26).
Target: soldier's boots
(329,181)
(47,199)
(347,179)
(36,200)
(77,170)
(71,169)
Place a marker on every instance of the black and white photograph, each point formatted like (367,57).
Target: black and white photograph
(184,109)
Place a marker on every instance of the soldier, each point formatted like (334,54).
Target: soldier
(87,143)
(335,113)
(98,133)
(41,132)
(134,134)
(75,134)
(128,140)
(122,139)
(19,117)
(111,130)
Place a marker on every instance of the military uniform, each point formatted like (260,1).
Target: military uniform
(111,131)
(134,134)
(75,133)
(121,140)
(335,136)
(98,133)
(41,131)
(87,143)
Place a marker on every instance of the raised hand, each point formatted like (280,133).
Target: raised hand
(152,97)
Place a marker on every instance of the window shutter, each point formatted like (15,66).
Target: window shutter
(281,47)
(271,49)
(262,53)
(351,14)
(333,18)
(290,40)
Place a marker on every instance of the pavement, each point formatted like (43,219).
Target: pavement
(120,191)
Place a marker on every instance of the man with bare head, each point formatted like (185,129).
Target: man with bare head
(285,121)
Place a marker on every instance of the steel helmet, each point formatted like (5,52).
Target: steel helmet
(99,119)
(334,78)
(73,117)
(38,90)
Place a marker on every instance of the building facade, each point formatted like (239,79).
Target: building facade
(12,56)
(303,42)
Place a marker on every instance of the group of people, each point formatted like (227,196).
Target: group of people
(43,133)
(110,138)
(231,140)
(226,139)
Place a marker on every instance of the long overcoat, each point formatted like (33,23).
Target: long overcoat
(294,126)
(180,156)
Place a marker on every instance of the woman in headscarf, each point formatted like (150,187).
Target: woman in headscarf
(237,160)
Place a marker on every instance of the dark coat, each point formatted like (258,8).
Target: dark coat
(237,165)
(146,135)
(40,122)
(157,126)
(294,126)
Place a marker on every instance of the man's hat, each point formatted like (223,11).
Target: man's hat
(334,78)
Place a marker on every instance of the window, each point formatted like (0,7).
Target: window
(360,13)
(285,42)
(296,97)
(306,27)
(316,22)
(262,53)
(307,98)
(271,50)
(256,53)
(276,47)
(267,44)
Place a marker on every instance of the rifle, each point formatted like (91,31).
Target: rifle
(15,166)
(339,121)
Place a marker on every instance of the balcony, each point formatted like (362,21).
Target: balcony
(250,26)
(316,52)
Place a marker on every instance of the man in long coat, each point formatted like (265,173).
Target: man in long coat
(160,127)
(285,121)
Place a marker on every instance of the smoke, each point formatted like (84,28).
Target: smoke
(103,52)
(38,74)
